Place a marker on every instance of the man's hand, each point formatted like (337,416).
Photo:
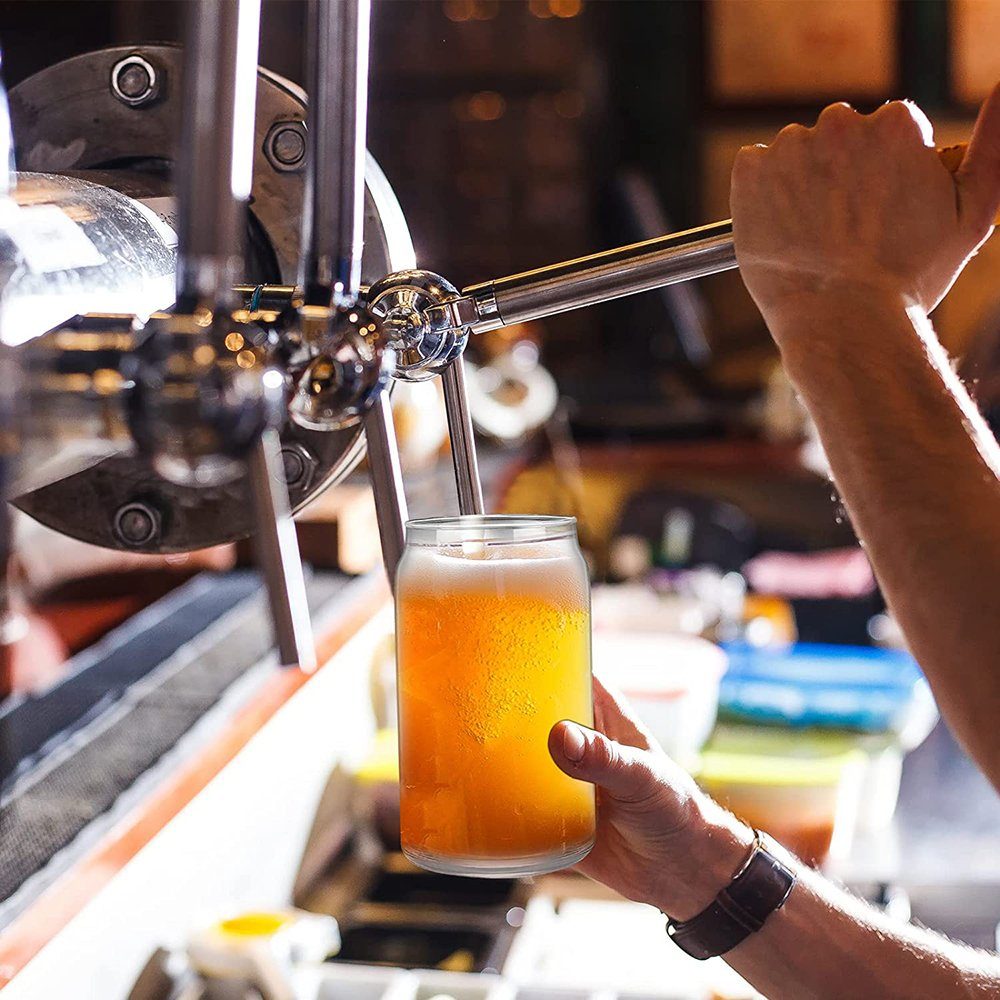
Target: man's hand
(861,205)
(847,234)
(659,839)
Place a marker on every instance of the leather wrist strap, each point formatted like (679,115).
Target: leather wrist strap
(759,888)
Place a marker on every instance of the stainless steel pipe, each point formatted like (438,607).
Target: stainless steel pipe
(215,160)
(603,277)
(463,441)
(335,179)
(387,483)
(215,175)
(277,550)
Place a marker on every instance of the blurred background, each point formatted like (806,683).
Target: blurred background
(517,133)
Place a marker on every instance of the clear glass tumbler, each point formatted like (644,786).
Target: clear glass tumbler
(493,648)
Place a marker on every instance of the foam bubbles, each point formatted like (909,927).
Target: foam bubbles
(550,571)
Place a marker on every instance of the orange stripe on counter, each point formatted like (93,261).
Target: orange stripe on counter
(25,937)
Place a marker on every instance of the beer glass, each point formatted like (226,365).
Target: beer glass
(493,649)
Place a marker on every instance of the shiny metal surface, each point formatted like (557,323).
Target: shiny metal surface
(67,118)
(415,308)
(463,441)
(215,156)
(350,366)
(72,401)
(278,554)
(338,32)
(78,247)
(134,81)
(387,483)
(602,277)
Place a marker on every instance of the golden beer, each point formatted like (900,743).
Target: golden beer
(493,640)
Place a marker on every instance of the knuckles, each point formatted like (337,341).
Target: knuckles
(837,116)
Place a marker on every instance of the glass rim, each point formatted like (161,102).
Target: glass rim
(489,529)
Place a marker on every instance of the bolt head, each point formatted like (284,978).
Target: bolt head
(299,465)
(136,524)
(285,146)
(134,81)
(295,467)
(289,146)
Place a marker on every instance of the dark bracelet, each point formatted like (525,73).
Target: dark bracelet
(759,888)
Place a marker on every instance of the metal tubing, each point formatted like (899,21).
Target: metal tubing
(333,219)
(215,159)
(278,555)
(604,276)
(463,441)
(387,483)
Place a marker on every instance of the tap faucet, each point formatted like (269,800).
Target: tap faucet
(207,400)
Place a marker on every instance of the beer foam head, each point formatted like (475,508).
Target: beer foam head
(552,570)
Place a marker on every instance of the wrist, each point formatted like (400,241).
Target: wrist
(786,299)
(706,855)
(854,320)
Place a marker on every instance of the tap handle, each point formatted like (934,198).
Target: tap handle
(611,274)
(387,483)
(278,554)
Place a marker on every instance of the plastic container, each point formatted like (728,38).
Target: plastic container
(840,687)
(671,682)
(882,760)
(327,982)
(805,795)
(459,986)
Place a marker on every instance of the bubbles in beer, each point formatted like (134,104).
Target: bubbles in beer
(494,649)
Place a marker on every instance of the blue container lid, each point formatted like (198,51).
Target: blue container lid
(812,684)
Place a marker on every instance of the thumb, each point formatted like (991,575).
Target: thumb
(622,771)
(978,177)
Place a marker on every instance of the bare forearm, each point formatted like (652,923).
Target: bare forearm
(918,471)
(825,944)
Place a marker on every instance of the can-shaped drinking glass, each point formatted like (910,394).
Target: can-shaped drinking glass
(493,649)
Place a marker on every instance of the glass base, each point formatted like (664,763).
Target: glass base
(522,867)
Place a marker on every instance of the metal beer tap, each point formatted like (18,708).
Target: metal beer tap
(347,360)
(215,382)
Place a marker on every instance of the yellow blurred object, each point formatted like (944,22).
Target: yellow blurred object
(458,961)
(382,762)
(774,610)
(261,949)
(255,924)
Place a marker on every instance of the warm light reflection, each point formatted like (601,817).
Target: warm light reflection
(234,341)
(204,354)
(486,106)
(459,10)
(246,359)
(555,8)
(106,381)
(471,10)
(486,10)
(565,8)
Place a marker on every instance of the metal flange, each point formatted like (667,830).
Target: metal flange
(69,119)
